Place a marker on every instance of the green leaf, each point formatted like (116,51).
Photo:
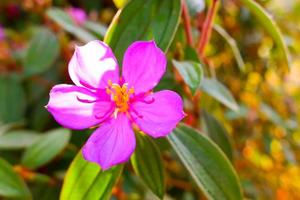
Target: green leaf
(207,164)
(43,50)
(147,163)
(18,139)
(191,73)
(66,22)
(231,42)
(270,26)
(144,20)
(86,181)
(97,28)
(46,148)
(217,90)
(11,185)
(12,99)
(217,132)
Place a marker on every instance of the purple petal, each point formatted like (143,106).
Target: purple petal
(76,107)
(111,144)
(78,15)
(93,64)
(158,114)
(143,66)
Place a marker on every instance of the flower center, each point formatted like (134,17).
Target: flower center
(120,95)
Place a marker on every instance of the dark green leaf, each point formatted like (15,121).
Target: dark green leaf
(207,164)
(18,139)
(270,26)
(12,99)
(41,53)
(191,73)
(46,148)
(217,132)
(66,22)
(86,181)
(231,42)
(144,20)
(147,163)
(217,90)
(11,185)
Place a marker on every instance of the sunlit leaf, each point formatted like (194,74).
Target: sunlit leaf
(147,163)
(206,163)
(191,73)
(18,139)
(11,184)
(231,42)
(66,22)
(217,132)
(46,148)
(86,181)
(144,20)
(43,50)
(270,26)
(217,90)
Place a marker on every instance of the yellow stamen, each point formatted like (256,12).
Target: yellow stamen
(120,95)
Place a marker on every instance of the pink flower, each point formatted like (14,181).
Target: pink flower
(78,15)
(100,97)
(2,33)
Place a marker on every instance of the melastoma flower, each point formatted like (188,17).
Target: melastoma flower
(78,15)
(100,98)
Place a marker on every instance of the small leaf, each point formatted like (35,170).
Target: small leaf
(46,148)
(191,73)
(43,50)
(11,185)
(66,22)
(270,26)
(207,164)
(85,180)
(18,139)
(217,132)
(12,99)
(144,20)
(217,90)
(147,163)
(231,42)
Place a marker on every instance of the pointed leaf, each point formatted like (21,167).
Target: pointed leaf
(86,181)
(217,90)
(66,22)
(43,50)
(270,26)
(46,148)
(231,42)
(11,184)
(18,139)
(217,132)
(147,163)
(191,73)
(144,20)
(207,164)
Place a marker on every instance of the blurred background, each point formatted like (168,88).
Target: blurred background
(37,39)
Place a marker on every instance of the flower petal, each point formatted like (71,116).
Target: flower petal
(111,144)
(158,113)
(76,107)
(93,64)
(143,65)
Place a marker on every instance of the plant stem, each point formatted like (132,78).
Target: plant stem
(206,29)
(187,23)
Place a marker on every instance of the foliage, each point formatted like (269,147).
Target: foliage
(240,138)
